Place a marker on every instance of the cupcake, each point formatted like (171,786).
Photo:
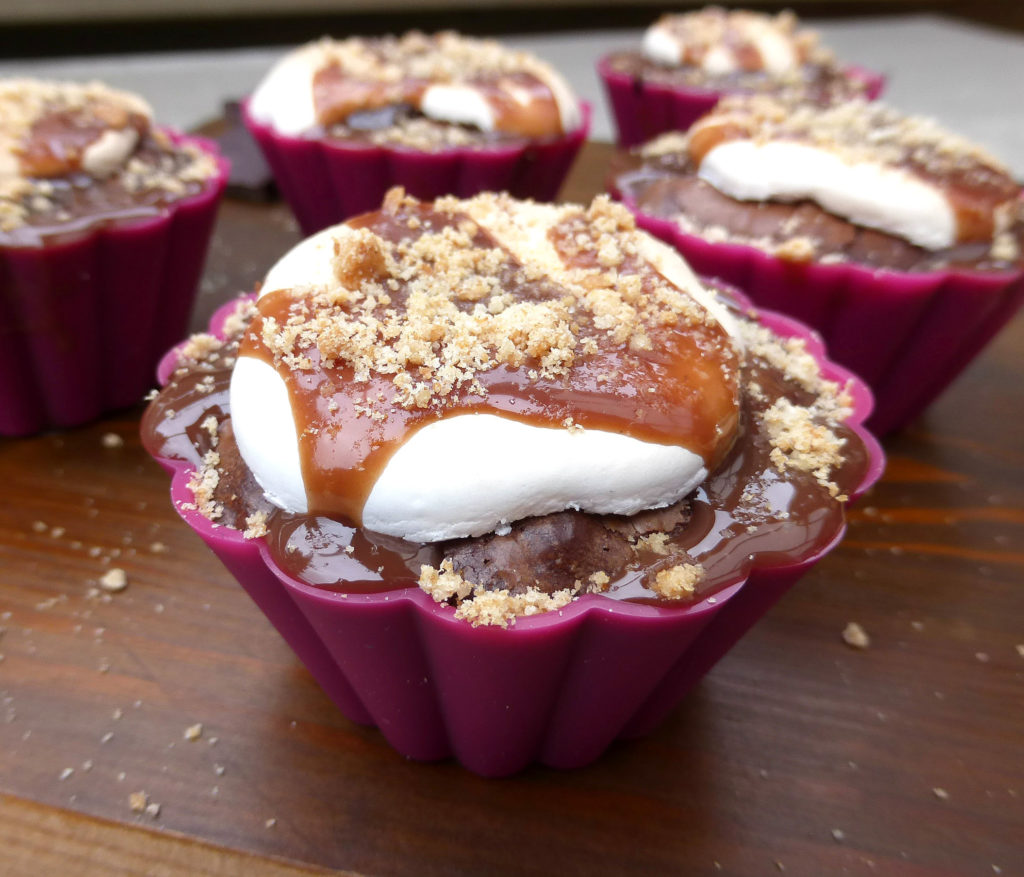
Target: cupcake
(688,62)
(340,122)
(505,475)
(104,225)
(899,242)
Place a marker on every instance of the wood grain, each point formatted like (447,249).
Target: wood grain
(45,840)
(796,753)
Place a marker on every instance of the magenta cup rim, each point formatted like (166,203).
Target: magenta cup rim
(667,229)
(590,603)
(342,147)
(212,188)
(873,81)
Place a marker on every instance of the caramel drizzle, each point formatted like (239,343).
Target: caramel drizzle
(56,143)
(523,104)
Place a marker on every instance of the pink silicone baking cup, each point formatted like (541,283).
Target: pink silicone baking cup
(643,110)
(327,181)
(84,321)
(555,689)
(908,335)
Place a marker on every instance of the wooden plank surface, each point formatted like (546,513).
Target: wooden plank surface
(797,753)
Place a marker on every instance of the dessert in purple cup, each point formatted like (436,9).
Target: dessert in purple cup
(104,226)
(506,476)
(690,61)
(900,243)
(341,122)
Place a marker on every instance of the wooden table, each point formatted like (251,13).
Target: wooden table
(798,753)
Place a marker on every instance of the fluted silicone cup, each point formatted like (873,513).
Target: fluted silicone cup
(327,181)
(907,334)
(556,688)
(644,109)
(84,320)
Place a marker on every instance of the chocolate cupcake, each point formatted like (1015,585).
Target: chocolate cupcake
(901,243)
(688,62)
(514,452)
(340,122)
(104,225)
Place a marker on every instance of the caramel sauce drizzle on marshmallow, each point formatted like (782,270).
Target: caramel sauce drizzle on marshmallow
(978,189)
(359,74)
(435,311)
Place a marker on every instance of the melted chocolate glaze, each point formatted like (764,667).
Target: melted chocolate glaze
(745,507)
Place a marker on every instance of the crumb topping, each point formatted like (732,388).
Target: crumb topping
(589,287)
(478,606)
(52,133)
(719,40)
(802,437)
(678,582)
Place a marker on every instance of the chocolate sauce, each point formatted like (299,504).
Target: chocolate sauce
(77,202)
(745,508)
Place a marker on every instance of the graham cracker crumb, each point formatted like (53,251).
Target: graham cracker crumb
(443,584)
(255,525)
(138,801)
(111,440)
(656,542)
(797,249)
(481,607)
(203,484)
(114,579)
(679,582)
(501,608)
(194,732)
(855,636)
